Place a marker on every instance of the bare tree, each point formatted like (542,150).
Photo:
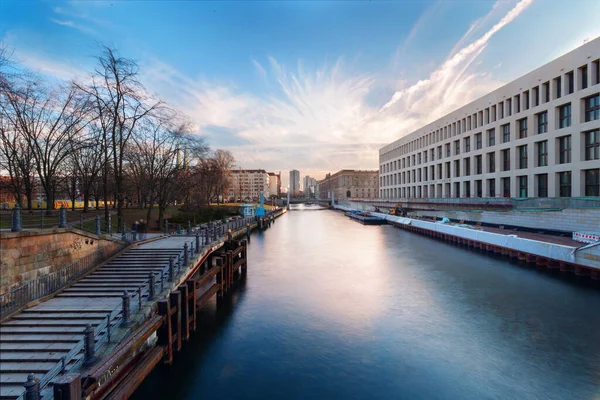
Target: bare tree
(49,121)
(224,161)
(120,104)
(88,161)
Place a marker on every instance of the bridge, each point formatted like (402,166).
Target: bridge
(94,335)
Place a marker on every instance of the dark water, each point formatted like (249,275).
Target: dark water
(336,310)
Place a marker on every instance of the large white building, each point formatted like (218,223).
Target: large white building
(247,184)
(294,187)
(537,136)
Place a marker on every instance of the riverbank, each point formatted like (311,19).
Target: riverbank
(580,259)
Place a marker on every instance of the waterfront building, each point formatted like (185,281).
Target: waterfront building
(538,136)
(294,182)
(247,184)
(349,183)
(274,184)
(309,186)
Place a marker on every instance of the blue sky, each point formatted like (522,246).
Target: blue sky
(311,85)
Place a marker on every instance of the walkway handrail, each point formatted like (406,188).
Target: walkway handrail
(45,285)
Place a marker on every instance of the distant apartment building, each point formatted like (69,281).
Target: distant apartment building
(349,183)
(248,184)
(309,186)
(294,182)
(274,184)
(538,136)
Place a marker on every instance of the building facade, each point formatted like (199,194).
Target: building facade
(247,184)
(294,187)
(537,136)
(274,184)
(349,183)
(309,186)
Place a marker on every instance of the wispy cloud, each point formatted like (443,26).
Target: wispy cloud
(62,22)
(323,119)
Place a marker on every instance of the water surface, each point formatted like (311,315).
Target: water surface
(333,309)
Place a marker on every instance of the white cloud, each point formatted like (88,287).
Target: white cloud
(320,120)
(62,22)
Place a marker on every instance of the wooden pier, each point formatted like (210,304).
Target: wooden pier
(101,336)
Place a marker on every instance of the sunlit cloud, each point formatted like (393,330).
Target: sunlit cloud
(321,119)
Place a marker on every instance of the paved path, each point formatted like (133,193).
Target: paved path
(35,340)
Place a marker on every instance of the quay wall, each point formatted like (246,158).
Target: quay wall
(28,255)
(564,220)
(588,257)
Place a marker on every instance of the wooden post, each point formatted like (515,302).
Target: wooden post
(185,312)
(219,278)
(165,332)
(191,284)
(175,298)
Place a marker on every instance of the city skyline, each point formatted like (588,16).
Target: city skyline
(329,95)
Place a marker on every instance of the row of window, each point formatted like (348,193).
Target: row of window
(564,187)
(591,152)
(592,113)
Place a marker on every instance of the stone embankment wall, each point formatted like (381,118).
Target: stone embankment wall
(566,220)
(28,255)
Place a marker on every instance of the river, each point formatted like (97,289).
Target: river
(332,309)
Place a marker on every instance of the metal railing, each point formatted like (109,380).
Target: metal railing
(18,219)
(151,289)
(45,285)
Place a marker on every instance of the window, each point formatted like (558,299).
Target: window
(546,92)
(536,96)
(467,166)
(506,133)
(564,184)
(557,87)
(439,174)
(478,141)
(467,189)
(467,145)
(542,122)
(457,189)
(419,158)
(491,162)
(570,82)
(478,188)
(478,168)
(492,187)
(447,149)
(506,160)
(522,156)
(583,71)
(439,152)
(432,171)
(491,137)
(448,170)
(592,145)
(425,156)
(564,149)
(564,114)
(592,182)
(542,153)
(592,108)
(522,123)
(542,185)
(522,186)
(457,168)
(432,155)
(506,187)
(517,104)
(456,147)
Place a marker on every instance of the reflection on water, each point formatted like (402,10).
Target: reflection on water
(334,309)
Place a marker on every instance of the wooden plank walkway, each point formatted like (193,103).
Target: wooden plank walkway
(37,339)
